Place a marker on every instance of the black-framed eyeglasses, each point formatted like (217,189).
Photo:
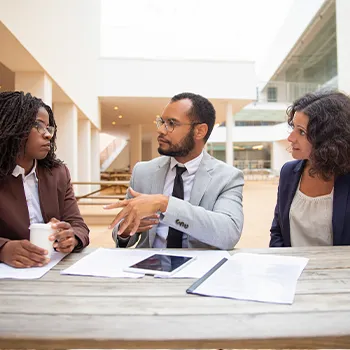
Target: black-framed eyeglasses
(171,124)
(42,129)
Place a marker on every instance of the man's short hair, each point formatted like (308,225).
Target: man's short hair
(201,111)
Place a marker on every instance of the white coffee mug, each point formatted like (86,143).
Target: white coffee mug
(39,236)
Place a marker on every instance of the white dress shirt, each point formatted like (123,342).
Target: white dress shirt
(188,179)
(30,184)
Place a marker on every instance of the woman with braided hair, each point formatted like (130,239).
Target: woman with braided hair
(35,186)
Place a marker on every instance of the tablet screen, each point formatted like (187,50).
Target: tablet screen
(159,262)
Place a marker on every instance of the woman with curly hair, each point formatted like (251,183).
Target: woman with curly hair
(313,201)
(34,185)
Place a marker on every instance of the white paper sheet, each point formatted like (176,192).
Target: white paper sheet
(111,262)
(259,277)
(32,272)
(108,263)
(205,260)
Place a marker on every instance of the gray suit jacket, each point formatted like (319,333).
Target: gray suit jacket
(212,219)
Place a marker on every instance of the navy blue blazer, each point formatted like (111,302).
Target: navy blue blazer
(289,180)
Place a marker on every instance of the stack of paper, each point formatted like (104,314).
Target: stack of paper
(108,263)
(32,272)
(259,277)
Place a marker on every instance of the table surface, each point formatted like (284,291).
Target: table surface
(66,312)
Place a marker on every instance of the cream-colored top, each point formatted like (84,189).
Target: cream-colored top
(311,220)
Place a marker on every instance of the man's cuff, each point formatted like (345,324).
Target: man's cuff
(122,242)
(172,214)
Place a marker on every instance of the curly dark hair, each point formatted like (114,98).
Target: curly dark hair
(202,110)
(328,131)
(18,113)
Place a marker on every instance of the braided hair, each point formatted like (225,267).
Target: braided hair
(18,113)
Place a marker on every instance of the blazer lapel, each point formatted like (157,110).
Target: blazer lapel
(45,187)
(158,187)
(160,175)
(289,193)
(16,189)
(202,179)
(341,192)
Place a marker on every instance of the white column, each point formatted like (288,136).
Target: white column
(84,152)
(66,116)
(38,84)
(154,146)
(95,157)
(229,138)
(135,144)
(343,44)
(280,155)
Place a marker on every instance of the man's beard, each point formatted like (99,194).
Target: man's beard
(182,149)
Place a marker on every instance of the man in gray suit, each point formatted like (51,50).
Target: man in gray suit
(185,199)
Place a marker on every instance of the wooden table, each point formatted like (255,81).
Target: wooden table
(85,312)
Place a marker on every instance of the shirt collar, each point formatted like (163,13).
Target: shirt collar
(191,166)
(18,170)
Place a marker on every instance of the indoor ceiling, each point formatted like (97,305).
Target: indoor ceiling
(316,41)
(143,110)
(13,55)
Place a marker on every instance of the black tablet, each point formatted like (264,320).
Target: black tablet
(160,264)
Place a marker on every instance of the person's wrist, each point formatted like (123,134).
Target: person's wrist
(124,235)
(162,203)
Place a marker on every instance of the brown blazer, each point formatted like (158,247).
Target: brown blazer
(56,200)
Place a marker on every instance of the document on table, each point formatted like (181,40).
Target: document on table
(258,277)
(112,262)
(30,272)
(108,263)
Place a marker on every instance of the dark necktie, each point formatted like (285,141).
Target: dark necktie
(174,239)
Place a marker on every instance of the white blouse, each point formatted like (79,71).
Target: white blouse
(311,220)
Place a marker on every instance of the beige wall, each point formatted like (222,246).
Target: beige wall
(146,150)
(146,77)
(280,155)
(7,79)
(122,161)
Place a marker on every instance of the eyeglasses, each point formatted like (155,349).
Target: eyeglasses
(171,124)
(42,129)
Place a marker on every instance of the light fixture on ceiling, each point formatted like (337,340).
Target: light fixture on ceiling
(120,117)
(113,123)
(115,108)
(258,147)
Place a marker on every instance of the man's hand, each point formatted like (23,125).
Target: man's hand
(145,225)
(23,254)
(65,240)
(136,209)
